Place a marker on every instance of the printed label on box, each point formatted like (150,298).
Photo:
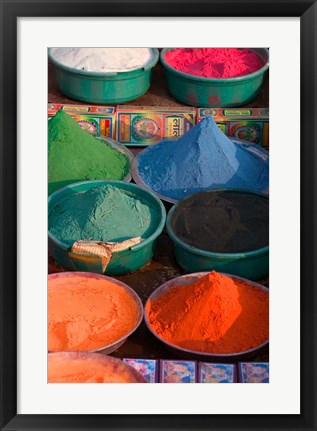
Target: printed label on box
(82,109)
(178,371)
(255,113)
(216,373)
(251,124)
(251,131)
(147,367)
(254,372)
(145,125)
(97,120)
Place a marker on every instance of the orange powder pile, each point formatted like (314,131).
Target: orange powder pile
(87,313)
(81,367)
(214,314)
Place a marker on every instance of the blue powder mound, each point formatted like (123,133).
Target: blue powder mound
(203,158)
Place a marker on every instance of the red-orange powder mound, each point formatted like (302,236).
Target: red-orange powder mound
(214,314)
(214,62)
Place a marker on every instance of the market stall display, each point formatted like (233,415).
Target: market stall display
(197,325)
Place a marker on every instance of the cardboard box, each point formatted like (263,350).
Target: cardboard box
(250,124)
(216,373)
(147,367)
(253,372)
(146,125)
(178,371)
(97,120)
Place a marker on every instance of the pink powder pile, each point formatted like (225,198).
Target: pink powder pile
(214,62)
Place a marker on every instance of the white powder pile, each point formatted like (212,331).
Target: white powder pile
(103,59)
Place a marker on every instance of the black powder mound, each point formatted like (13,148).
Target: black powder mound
(223,222)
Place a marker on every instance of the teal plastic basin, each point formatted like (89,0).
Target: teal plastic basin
(253,265)
(214,92)
(121,262)
(103,87)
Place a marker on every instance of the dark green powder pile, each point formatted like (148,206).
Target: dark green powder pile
(75,155)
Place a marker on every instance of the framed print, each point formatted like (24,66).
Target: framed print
(40,103)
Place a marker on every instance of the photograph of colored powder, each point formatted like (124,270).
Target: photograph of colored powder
(214,62)
(204,165)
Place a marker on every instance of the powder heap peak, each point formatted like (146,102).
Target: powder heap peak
(212,300)
(202,158)
(75,155)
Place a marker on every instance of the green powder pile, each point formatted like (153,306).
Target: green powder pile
(75,155)
(103,213)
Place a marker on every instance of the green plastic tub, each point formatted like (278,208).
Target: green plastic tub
(103,87)
(121,262)
(253,265)
(214,92)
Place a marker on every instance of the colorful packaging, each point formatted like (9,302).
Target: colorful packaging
(142,126)
(253,372)
(97,120)
(147,367)
(178,371)
(251,124)
(216,373)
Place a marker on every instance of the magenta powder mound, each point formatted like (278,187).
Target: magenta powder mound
(214,62)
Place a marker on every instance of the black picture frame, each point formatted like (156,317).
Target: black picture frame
(10,11)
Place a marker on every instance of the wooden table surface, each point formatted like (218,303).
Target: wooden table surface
(163,267)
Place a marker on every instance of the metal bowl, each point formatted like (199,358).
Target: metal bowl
(108,348)
(255,149)
(68,359)
(193,354)
(121,149)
